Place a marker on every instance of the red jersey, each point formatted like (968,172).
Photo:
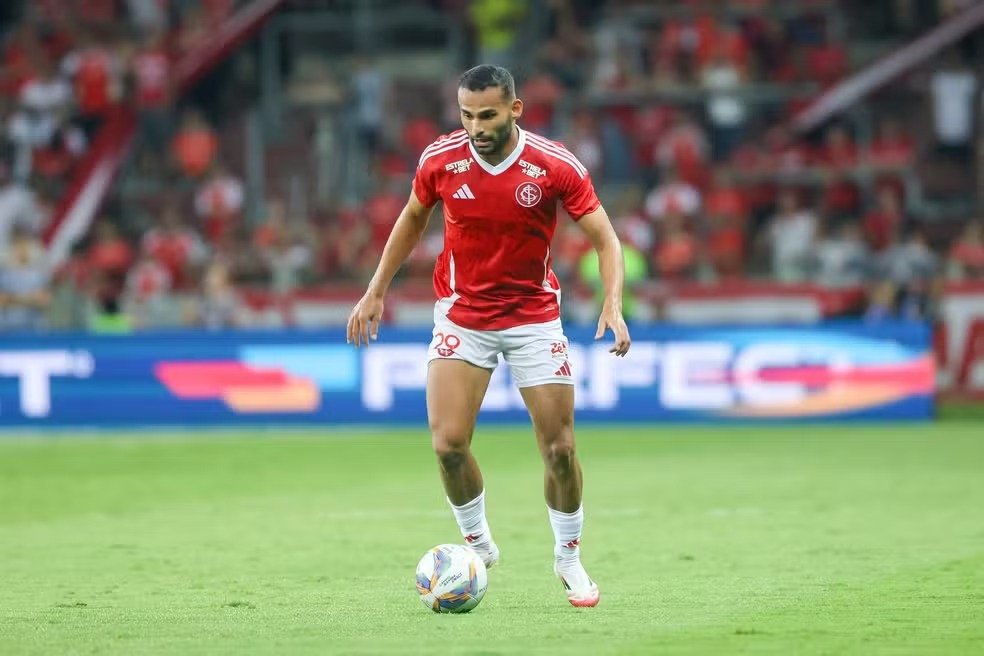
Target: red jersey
(494,272)
(93,70)
(173,250)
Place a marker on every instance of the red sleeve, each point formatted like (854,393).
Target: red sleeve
(578,194)
(425,184)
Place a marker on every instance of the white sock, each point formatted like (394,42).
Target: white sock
(471,520)
(567,532)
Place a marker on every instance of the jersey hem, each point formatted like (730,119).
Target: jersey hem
(497,327)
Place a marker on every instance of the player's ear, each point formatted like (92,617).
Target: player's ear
(517,108)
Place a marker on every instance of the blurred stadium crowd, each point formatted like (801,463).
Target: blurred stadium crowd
(681,110)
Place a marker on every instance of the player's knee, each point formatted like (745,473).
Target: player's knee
(451,457)
(559,455)
(451,448)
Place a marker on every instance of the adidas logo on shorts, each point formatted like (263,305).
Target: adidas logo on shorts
(565,369)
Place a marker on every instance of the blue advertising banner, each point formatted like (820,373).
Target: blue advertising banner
(835,371)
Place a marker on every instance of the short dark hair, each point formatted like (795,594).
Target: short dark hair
(484,76)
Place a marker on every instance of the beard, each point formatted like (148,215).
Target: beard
(496,139)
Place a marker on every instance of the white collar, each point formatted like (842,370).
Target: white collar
(496,169)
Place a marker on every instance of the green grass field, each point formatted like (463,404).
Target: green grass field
(825,540)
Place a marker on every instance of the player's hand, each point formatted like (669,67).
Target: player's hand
(611,317)
(363,323)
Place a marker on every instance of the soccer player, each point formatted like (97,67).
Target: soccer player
(500,187)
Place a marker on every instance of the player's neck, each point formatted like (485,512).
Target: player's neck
(507,149)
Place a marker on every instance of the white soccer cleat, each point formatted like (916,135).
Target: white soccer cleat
(582,592)
(488,553)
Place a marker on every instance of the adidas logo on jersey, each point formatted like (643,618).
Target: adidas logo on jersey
(463,192)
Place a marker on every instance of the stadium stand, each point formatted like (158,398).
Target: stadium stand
(228,162)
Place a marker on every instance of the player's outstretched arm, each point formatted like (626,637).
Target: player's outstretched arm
(363,323)
(599,230)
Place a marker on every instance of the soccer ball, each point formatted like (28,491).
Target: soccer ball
(451,578)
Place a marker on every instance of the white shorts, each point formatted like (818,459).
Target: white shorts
(537,353)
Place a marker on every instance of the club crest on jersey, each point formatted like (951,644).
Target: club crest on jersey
(460,166)
(532,170)
(528,194)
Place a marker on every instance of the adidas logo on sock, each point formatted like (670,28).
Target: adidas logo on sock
(573,544)
(463,192)
(565,369)
(473,537)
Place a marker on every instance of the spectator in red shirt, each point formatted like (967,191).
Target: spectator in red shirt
(726,200)
(883,222)
(724,247)
(675,256)
(176,247)
(684,147)
(826,63)
(95,71)
(838,155)
(418,133)
(274,226)
(728,44)
(381,211)
(725,222)
(685,40)
(647,132)
(891,152)
(194,146)
(108,259)
(772,49)
(892,148)
(841,197)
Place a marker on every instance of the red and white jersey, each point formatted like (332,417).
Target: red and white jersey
(151,71)
(147,280)
(494,272)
